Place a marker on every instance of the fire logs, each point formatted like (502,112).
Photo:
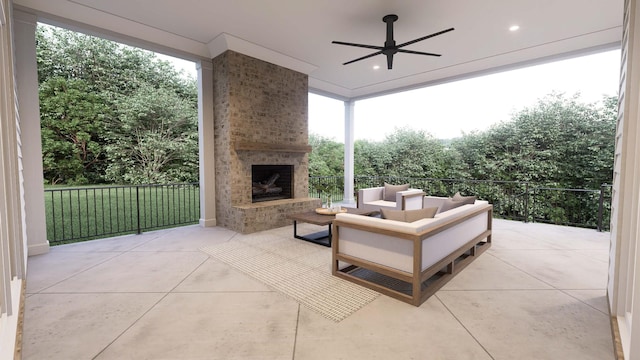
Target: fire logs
(266,187)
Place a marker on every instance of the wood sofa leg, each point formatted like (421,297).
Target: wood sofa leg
(450,268)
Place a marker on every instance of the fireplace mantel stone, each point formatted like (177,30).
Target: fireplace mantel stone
(259,146)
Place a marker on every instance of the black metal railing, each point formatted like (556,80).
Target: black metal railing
(514,200)
(84,213)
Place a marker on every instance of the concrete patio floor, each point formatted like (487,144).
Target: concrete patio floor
(538,293)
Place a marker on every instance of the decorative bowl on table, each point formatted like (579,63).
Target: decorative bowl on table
(329,211)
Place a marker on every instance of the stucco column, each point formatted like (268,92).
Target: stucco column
(349,111)
(205,140)
(35,226)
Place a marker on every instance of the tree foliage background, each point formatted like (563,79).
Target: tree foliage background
(112,113)
(558,142)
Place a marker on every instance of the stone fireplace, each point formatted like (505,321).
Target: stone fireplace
(260,122)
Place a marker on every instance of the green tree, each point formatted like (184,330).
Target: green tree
(326,158)
(105,65)
(558,142)
(154,139)
(406,153)
(87,85)
(72,121)
(367,155)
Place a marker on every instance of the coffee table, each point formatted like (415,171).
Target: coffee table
(311,217)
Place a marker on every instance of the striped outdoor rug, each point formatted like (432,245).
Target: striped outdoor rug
(296,268)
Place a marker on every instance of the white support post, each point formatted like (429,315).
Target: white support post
(349,111)
(29,110)
(206,146)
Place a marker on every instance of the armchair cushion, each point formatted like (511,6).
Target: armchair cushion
(391,190)
(408,215)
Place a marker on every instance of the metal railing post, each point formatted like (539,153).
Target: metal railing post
(138,208)
(600,207)
(526,202)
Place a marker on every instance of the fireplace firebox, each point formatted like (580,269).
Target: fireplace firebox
(271,182)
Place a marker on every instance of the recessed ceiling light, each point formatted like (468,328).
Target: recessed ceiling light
(514,28)
(376,67)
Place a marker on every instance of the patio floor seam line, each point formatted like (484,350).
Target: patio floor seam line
(189,274)
(134,322)
(464,327)
(517,268)
(295,334)
(221,292)
(608,314)
(79,272)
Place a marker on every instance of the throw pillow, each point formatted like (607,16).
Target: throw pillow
(408,215)
(465,199)
(415,215)
(450,204)
(390,214)
(391,190)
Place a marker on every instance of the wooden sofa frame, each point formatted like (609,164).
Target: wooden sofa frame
(442,271)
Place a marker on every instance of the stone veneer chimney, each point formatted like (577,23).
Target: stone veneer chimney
(260,118)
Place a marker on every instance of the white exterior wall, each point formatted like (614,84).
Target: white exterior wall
(623,288)
(12,238)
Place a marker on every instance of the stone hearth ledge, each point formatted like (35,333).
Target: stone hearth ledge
(265,215)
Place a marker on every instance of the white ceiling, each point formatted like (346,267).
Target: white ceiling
(297,34)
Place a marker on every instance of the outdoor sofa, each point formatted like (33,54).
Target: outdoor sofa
(410,261)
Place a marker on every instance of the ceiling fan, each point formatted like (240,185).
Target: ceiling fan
(390,48)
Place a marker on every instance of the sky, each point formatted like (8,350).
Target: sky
(449,110)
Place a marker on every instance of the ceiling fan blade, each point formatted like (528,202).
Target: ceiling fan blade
(425,37)
(417,52)
(358,45)
(364,57)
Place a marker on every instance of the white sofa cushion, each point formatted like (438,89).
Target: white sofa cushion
(382,203)
(413,227)
(433,201)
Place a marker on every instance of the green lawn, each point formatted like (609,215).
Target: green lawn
(84,213)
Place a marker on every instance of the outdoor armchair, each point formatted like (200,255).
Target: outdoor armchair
(398,197)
